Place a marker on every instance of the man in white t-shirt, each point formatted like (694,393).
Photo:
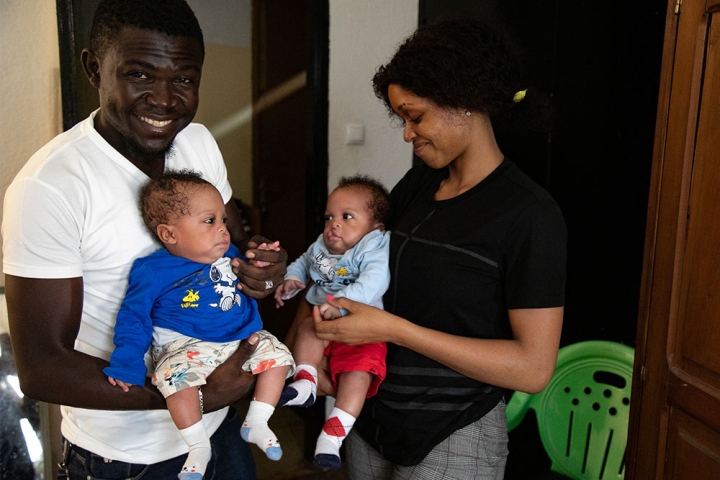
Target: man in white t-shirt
(72,229)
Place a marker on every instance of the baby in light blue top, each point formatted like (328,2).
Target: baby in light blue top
(340,275)
(349,259)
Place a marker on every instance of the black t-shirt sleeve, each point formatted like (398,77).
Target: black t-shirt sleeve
(535,261)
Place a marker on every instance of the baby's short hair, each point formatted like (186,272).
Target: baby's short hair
(166,198)
(379,203)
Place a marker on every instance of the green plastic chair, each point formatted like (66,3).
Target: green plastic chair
(583,412)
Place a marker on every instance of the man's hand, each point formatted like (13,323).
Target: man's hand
(229,383)
(259,282)
(273,247)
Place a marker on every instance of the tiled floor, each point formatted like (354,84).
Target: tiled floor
(289,427)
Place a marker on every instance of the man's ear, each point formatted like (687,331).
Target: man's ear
(166,234)
(91,66)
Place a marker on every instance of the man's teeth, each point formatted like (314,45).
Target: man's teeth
(155,123)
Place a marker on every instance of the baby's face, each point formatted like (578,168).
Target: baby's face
(202,234)
(347,219)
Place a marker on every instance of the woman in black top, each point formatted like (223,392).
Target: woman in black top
(478,252)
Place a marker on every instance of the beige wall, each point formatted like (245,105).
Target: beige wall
(226,87)
(225,103)
(30,105)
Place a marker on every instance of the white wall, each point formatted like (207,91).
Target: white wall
(30,104)
(363,35)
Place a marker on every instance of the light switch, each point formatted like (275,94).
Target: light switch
(354,134)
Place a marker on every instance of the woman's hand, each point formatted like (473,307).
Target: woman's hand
(362,324)
(523,363)
(259,282)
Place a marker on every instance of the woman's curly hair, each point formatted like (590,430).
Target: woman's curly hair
(458,63)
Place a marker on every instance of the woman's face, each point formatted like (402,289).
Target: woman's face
(439,135)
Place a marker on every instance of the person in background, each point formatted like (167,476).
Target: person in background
(349,259)
(72,229)
(183,300)
(477,262)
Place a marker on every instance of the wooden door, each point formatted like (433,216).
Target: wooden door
(675,411)
(289,130)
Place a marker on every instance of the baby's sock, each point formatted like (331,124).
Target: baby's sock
(255,429)
(199,453)
(327,448)
(301,392)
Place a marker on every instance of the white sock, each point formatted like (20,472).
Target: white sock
(327,448)
(199,453)
(302,391)
(255,429)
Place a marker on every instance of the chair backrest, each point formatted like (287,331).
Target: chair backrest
(583,412)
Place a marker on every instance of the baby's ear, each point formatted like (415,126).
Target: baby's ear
(380,226)
(166,234)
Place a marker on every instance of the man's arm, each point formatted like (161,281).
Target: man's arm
(44,317)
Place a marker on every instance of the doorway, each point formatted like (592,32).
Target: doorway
(600,68)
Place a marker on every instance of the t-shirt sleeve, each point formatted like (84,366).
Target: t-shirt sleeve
(535,264)
(216,169)
(41,232)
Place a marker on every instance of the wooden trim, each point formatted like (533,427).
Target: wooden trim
(712,6)
(66,41)
(316,187)
(661,126)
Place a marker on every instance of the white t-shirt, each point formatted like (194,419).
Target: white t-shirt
(72,211)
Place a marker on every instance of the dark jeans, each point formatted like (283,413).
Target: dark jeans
(231,460)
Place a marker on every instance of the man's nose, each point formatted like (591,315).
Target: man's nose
(162,95)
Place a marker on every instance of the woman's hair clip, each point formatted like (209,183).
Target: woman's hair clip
(519,96)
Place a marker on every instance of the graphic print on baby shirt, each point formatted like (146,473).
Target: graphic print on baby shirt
(224,279)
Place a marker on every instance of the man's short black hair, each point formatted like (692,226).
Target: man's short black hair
(171,17)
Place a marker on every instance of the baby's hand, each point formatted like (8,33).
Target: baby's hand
(275,246)
(287,290)
(329,312)
(118,383)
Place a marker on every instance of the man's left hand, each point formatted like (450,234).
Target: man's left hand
(259,282)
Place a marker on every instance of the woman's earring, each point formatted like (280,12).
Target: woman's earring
(468,113)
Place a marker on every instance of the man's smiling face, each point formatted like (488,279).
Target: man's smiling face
(148,84)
